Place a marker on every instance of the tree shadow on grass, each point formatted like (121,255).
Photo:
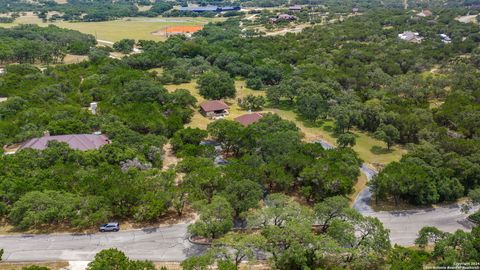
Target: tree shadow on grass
(328,128)
(378,150)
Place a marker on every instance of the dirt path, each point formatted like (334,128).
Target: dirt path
(296,29)
(169,160)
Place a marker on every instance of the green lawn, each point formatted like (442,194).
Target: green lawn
(364,145)
(135,28)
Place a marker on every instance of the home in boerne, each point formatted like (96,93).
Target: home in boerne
(214,109)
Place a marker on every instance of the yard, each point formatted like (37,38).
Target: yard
(369,149)
(134,28)
(198,120)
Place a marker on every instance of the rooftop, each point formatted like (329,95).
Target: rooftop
(295,7)
(410,36)
(248,119)
(286,17)
(199,9)
(81,142)
(213,105)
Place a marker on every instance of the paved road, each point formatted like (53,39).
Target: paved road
(159,244)
(171,244)
(404,225)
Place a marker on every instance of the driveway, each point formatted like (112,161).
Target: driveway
(158,244)
(404,225)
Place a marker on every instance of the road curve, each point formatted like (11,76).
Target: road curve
(171,243)
(404,225)
(157,244)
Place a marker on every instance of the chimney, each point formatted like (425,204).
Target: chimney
(46,133)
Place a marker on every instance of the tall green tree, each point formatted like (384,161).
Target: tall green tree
(387,133)
(243,195)
(215,219)
(124,45)
(216,85)
(116,259)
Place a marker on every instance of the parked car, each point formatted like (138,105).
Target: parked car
(110,227)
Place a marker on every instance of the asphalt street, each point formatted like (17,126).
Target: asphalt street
(158,244)
(171,243)
(404,225)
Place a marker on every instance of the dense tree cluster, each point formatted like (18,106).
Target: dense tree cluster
(267,156)
(124,45)
(77,188)
(368,80)
(356,74)
(84,10)
(32,44)
(342,238)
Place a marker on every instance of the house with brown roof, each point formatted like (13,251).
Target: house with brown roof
(214,109)
(282,17)
(82,142)
(248,119)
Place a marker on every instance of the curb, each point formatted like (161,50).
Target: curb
(198,243)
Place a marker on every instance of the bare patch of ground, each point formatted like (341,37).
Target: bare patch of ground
(20,265)
(169,159)
(280,32)
(467,19)
(436,103)
(74,59)
(143,8)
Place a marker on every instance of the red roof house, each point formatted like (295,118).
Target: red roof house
(81,142)
(248,119)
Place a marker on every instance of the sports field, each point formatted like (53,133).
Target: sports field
(135,28)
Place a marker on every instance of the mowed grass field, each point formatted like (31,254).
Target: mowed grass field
(134,28)
(364,145)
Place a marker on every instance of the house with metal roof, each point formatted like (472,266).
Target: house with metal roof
(210,9)
(248,119)
(200,9)
(82,142)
